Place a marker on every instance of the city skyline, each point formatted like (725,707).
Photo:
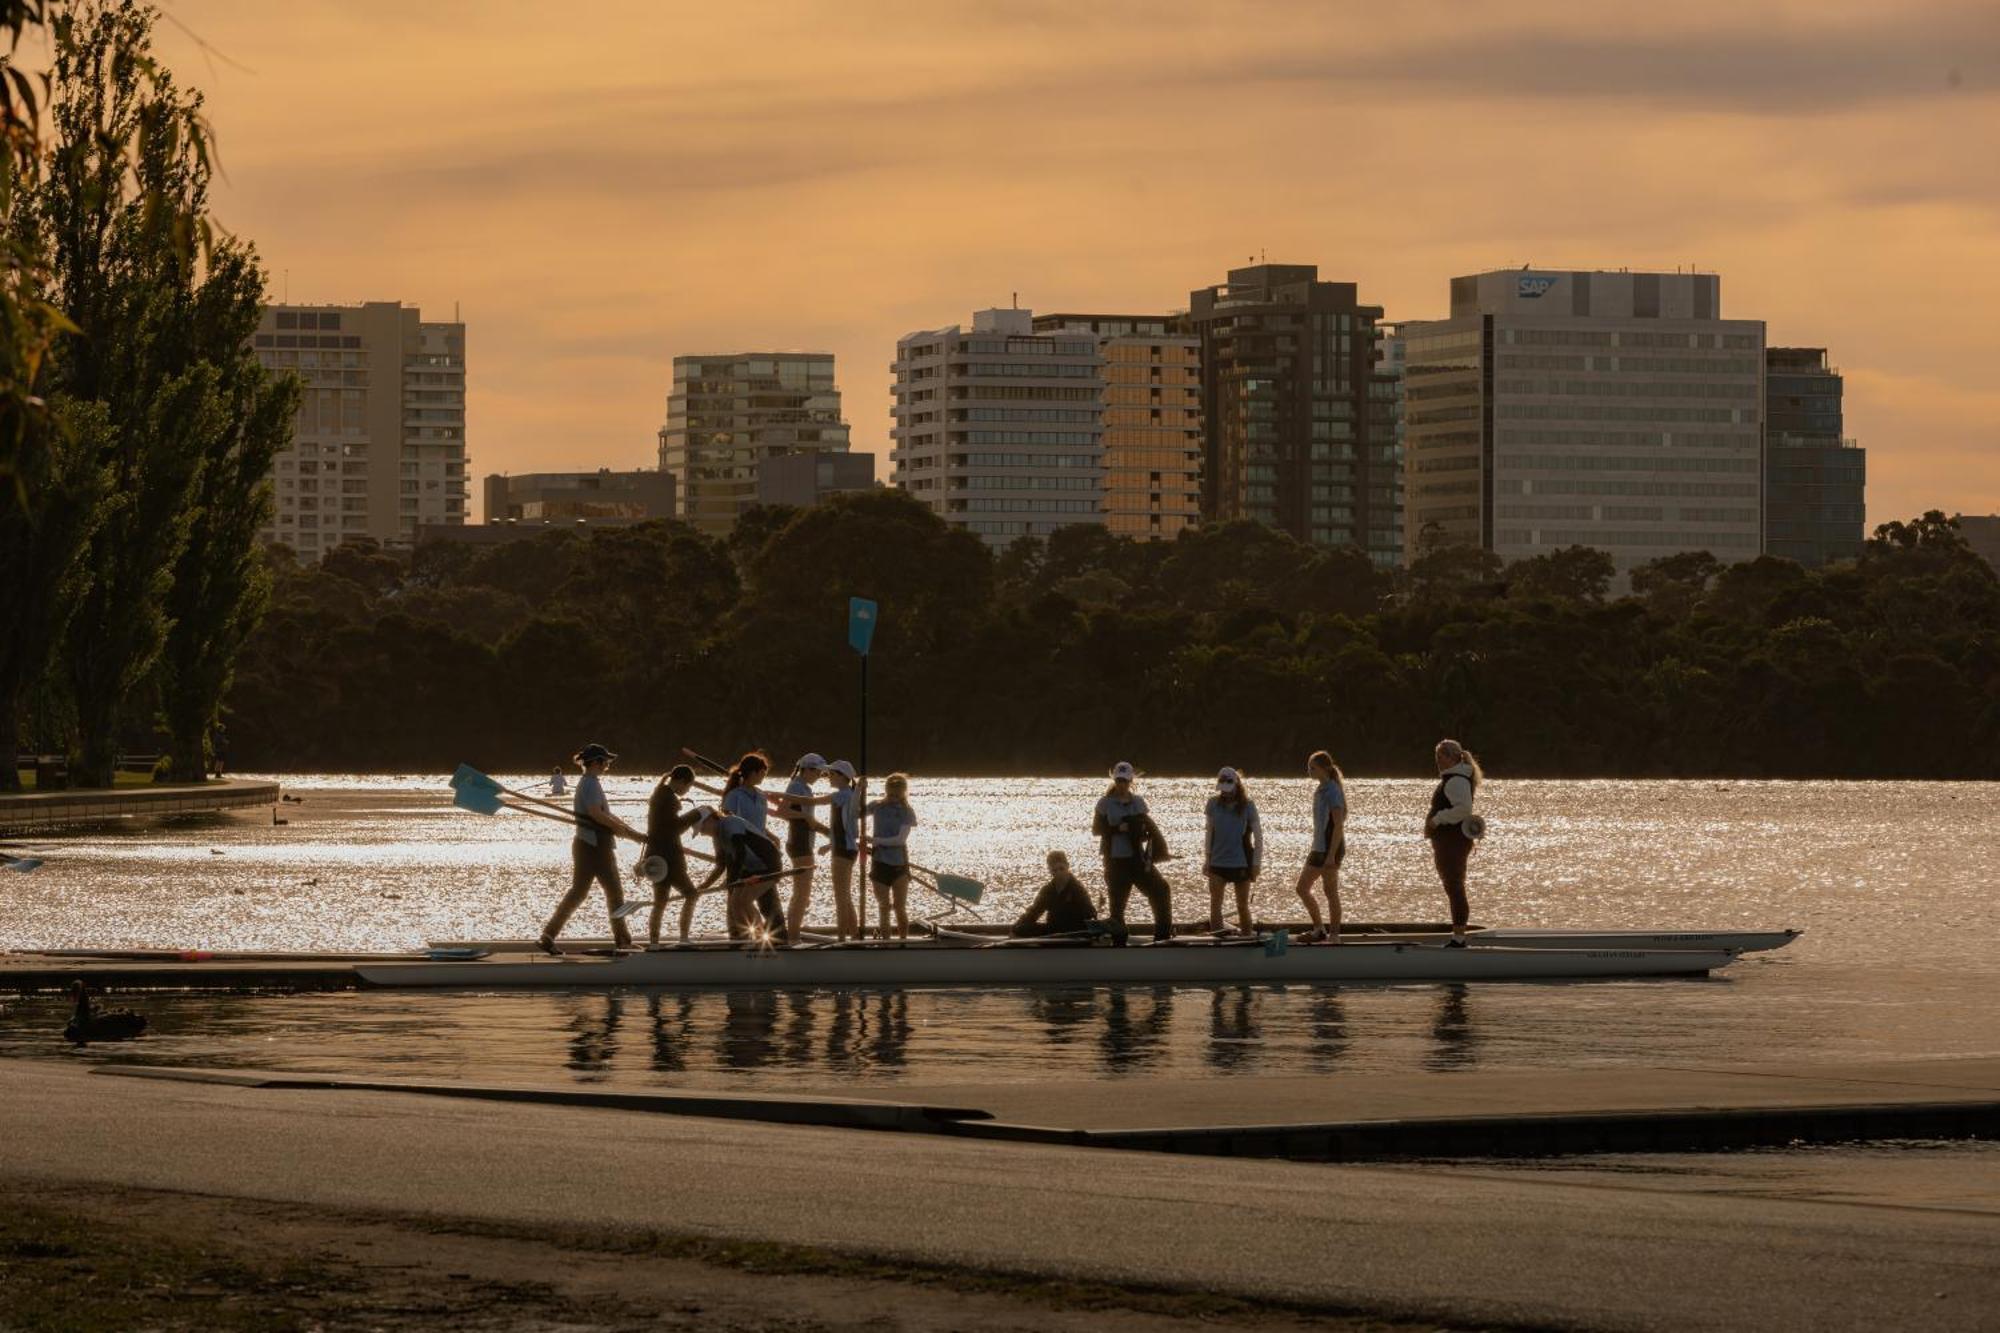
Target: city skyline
(597,201)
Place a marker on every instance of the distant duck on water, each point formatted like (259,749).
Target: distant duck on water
(87,1025)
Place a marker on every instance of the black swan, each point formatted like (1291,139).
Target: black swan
(86,1025)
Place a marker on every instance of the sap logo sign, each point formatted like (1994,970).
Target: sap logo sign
(1533,288)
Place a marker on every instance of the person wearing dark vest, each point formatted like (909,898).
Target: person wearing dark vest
(1063,901)
(1451,826)
(742,854)
(1126,838)
(742,799)
(1329,846)
(664,825)
(593,852)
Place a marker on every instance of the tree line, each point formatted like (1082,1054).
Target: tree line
(1232,644)
(137,430)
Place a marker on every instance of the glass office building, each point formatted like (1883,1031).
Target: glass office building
(1814,478)
(728,414)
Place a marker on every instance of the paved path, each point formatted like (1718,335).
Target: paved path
(1435,1243)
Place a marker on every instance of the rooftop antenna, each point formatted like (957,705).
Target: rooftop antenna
(1017,300)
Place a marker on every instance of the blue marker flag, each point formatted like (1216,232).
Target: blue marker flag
(860,624)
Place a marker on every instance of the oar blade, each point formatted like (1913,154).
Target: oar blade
(21,864)
(623,910)
(479,800)
(467,776)
(961,888)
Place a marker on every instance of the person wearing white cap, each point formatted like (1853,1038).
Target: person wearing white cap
(843,844)
(799,829)
(1235,847)
(1126,839)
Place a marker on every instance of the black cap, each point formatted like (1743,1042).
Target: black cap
(593,752)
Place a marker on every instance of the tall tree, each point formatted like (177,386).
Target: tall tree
(122,217)
(221,586)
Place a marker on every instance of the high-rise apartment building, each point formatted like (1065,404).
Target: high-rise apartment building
(999,428)
(379,446)
(727,414)
(1610,409)
(1151,419)
(1815,479)
(1299,423)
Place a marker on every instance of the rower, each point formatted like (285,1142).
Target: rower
(1452,828)
(741,853)
(891,820)
(843,844)
(557,787)
(1129,841)
(796,806)
(1063,901)
(742,798)
(1235,847)
(593,851)
(664,825)
(1329,845)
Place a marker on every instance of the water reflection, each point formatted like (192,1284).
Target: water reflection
(1065,1016)
(1327,1022)
(1137,1023)
(673,1018)
(593,1028)
(1232,1029)
(1454,1041)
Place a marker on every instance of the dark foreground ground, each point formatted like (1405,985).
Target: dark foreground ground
(87,1258)
(139,1203)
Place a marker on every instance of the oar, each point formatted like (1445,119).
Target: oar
(486,801)
(21,864)
(626,909)
(960,887)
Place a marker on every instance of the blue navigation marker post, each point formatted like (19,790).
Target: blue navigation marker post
(861,617)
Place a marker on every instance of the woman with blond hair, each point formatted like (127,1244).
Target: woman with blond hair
(1329,845)
(891,820)
(1452,828)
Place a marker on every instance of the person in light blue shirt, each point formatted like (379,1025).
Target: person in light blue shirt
(1329,846)
(1235,847)
(593,851)
(843,844)
(890,822)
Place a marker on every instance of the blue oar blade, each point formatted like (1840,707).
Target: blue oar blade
(468,776)
(477,799)
(961,888)
(20,864)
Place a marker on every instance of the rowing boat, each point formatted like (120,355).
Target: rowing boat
(927,962)
(1512,937)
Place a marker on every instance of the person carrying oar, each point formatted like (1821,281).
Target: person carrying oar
(593,851)
(744,800)
(843,845)
(664,824)
(745,858)
(1129,842)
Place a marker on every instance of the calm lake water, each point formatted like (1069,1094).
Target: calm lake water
(1891,881)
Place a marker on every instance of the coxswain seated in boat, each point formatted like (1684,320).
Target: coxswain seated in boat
(1061,907)
(87,1025)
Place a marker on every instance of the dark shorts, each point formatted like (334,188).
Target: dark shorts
(1230,874)
(1318,859)
(885,875)
(799,838)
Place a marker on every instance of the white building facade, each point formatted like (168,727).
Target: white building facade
(379,444)
(999,429)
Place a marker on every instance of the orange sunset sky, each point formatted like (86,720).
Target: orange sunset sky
(603,186)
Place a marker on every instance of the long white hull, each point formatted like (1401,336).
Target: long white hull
(927,964)
(1512,937)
